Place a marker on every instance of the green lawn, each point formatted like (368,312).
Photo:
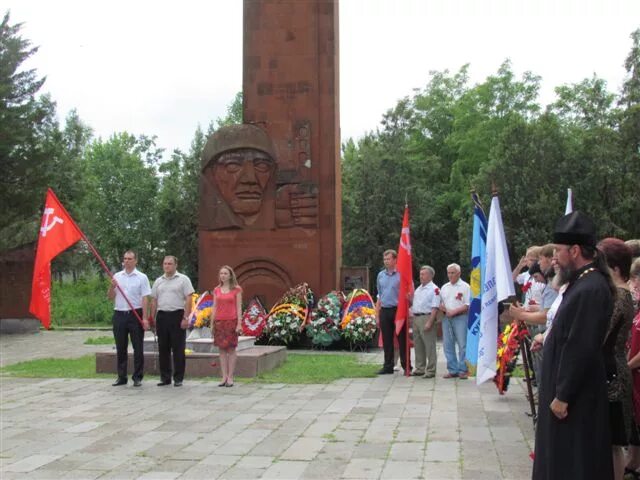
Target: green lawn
(297,369)
(100,341)
(83,367)
(318,369)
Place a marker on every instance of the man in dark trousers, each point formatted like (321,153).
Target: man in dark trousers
(388,283)
(171,299)
(572,434)
(135,286)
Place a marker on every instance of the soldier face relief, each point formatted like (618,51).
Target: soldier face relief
(242,177)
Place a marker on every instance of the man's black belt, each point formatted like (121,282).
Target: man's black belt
(389,308)
(420,313)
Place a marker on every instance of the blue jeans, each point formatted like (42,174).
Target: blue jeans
(454,331)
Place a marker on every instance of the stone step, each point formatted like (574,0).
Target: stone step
(250,362)
(199,345)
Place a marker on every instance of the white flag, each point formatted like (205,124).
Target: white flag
(569,208)
(497,285)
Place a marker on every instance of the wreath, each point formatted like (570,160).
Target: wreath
(359,323)
(288,317)
(254,318)
(201,310)
(508,349)
(323,328)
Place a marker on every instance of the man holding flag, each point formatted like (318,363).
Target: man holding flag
(58,232)
(395,288)
(388,284)
(133,284)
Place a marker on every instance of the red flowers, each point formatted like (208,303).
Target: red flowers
(459,296)
(526,287)
(437,291)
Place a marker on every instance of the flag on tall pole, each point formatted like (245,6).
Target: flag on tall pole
(57,233)
(497,285)
(569,208)
(406,280)
(478,257)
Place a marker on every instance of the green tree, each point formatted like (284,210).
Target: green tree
(22,119)
(178,205)
(120,211)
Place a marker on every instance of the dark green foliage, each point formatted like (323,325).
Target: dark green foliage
(83,302)
(451,137)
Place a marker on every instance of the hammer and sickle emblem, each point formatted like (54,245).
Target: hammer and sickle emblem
(405,242)
(46,225)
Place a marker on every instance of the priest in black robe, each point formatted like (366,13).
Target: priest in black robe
(572,434)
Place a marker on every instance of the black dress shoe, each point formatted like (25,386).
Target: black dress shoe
(384,371)
(119,382)
(164,384)
(177,384)
(137,383)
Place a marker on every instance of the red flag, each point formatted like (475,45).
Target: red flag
(405,271)
(57,233)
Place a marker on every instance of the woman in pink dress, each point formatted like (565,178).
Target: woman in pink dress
(226,321)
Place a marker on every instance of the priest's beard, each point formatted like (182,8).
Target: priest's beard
(567,273)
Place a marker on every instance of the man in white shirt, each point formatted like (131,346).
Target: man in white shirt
(171,299)
(135,286)
(455,299)
(424,309)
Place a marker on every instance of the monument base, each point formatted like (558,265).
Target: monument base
(251,362)
(19,325)
(199,345)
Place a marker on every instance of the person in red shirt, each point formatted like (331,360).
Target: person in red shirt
(226,322)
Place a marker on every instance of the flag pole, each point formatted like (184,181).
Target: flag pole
(407,347)
(98,257)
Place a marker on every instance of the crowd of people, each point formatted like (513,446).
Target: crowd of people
(581,304)
(168,305)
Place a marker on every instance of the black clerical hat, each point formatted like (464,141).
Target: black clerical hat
(575,229)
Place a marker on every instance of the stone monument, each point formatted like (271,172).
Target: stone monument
(270,188)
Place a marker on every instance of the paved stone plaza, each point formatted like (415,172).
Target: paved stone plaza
(388,427)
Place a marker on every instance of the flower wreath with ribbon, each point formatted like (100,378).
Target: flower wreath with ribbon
(254,318)
(508,349)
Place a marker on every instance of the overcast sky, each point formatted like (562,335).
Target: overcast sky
(161,68)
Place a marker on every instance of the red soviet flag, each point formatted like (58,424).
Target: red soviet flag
(405,271)
(58,232)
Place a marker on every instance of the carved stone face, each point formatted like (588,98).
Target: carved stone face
(242,177)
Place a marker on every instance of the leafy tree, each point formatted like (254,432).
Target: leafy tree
(120,211)
(234,113)
(178,205)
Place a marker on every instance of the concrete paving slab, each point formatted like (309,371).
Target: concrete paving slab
(384,427)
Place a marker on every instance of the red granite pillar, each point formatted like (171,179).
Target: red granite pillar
(291,90)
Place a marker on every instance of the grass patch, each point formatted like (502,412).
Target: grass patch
(100,341)
(296,369)
(318,369)
(82,367)
(81,302)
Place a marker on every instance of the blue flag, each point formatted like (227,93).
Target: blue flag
(478,249)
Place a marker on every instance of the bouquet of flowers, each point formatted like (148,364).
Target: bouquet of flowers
(201,310)
(359,320)
(325,318)
(288,317)
(508,349)
(254,318)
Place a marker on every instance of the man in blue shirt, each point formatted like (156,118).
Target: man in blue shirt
(388,283)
